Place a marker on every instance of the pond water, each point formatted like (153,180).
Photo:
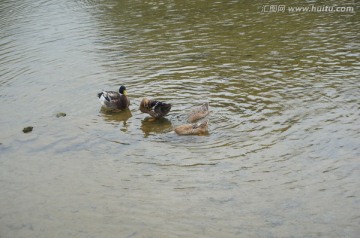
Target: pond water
(282,155)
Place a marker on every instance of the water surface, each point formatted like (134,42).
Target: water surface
(282,155)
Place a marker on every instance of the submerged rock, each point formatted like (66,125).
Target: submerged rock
(28,129)
(61,114)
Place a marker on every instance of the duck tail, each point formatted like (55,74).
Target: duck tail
(165,107)
(203,124)
(205,106)
(99,94)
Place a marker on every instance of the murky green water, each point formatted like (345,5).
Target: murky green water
(282,155)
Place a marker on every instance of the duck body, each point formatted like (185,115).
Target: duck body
(193,129)
(154,108)
(198,113)
(112,100)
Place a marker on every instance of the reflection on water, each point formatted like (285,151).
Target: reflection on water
(282,154)
(116,118)
(150,125)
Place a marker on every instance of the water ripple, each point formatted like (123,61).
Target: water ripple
(284,115)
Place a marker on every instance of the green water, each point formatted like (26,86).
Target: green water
(282,155)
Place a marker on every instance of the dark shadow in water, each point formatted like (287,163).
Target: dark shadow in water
(116,117)
(155,126)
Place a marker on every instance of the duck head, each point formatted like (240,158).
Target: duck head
(122,90)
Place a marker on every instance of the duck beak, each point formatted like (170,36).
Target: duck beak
(125,93)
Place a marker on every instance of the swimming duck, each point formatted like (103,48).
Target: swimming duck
(198,113)
(112,100)
(193,129)
(156,109)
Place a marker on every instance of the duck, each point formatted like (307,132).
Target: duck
(155,109)
(112,100)
(198,112)
(200,128)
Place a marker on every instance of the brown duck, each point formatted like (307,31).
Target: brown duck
(154,108)
(198,112)
(193,129)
